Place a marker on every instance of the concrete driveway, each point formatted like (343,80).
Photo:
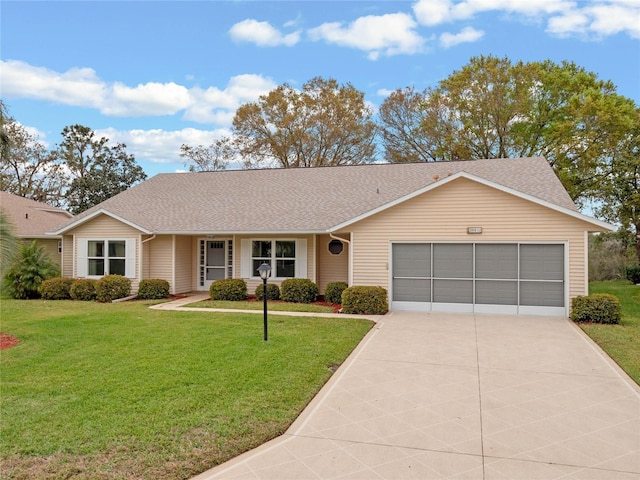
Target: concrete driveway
(429,396)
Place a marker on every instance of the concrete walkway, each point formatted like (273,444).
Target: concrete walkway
(429,396)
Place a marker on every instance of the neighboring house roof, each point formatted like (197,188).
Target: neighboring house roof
(32,219)
(310,200)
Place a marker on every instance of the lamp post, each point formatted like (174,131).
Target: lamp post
(265,272)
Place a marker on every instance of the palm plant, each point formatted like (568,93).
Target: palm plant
(29,270)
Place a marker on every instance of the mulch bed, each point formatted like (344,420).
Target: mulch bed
(7,341)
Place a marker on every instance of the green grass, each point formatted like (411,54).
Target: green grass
(621,342)
(258,305)
(121,391)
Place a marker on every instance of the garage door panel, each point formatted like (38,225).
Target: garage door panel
(542,262)
(453,260)
(497,261)
(453,291)
(412,260)
(492,292)
(411,290)
(544,294)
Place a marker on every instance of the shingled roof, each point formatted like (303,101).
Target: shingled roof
(32,219)
(307,200)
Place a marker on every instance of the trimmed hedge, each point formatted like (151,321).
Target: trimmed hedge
(273,292)
(633,274)
(153,289)
(83,289)
(231,289)
(596,308)
(56,288)
(112,287)
(365,301)
(333,292)
(298,290)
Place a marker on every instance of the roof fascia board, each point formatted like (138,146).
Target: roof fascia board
(93,215)
(236,232)
(483,181)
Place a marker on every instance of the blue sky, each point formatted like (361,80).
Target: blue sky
(157,74)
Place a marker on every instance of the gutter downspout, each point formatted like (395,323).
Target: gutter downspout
(348,242)
(142,242)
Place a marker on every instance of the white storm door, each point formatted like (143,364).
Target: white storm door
(212,262)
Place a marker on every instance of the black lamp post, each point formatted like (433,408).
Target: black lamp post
(265,272)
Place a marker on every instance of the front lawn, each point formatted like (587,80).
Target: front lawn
(121,391)
(621,342)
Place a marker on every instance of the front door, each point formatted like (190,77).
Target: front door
(212,262)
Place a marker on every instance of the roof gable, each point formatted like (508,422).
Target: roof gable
(309,200)
(438,183)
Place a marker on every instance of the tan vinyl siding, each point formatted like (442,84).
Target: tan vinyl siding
(159,254)
(67,256)
(445,213)
(51,248)
(253,283)
(105,227)
(184,256)
(331,268)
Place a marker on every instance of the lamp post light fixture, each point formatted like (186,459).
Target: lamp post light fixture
(265,272)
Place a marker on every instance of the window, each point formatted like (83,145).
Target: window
(281,253)
(106,257)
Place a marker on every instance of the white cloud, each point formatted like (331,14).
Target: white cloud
(81,87)
(391,34)
(466,35)
(160,146)
(599,20)
(78,86)
(384,92)
(262,34)
(594,19)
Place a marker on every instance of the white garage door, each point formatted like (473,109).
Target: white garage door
(512,278)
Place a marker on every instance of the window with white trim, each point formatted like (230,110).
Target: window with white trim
(281,253)
(110,256)
(106,257)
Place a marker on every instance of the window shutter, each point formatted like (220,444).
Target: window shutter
(245,258)
(81,258)
(301,258)
(130,263)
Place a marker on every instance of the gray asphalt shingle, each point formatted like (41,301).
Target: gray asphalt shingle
(306,199)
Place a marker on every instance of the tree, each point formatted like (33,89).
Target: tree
(98,171)
(324,124)
(29,169)
(4,137)
(209,159)
(492,108)
(619,186)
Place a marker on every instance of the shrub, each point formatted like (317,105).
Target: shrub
(298,290)
(596,308)
(56,288)
(365,300)
(31,267)
(83,289)
(112,287)
(273,292)
(232,289)
(633,274)
(153,289)
(333,292)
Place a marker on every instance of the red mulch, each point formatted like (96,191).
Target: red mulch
(7,341)
(336,307)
